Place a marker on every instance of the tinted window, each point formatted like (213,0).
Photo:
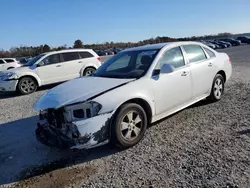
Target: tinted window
(173,57)
(194,53)
(52,59)
(9,60)
(85,55)
(70,56)
(209,52)
(1,61)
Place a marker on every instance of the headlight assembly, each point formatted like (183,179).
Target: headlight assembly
(82,111)
(9,76)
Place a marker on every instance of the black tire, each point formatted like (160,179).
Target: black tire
(88,71)
(217,89)
(119,136)
(10,68)
(26,85)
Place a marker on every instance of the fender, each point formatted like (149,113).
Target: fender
(31,74)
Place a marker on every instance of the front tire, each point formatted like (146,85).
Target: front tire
(27,85)
(129,125)
(217,88)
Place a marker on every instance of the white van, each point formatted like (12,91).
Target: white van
(48,68)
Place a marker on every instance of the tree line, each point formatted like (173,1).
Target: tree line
(31,51)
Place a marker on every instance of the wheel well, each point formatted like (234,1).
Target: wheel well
(10,68)
(88,67)
(223,74)
(144,104)
(30,77)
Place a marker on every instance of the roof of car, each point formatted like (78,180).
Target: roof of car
(70,50)
(160,45)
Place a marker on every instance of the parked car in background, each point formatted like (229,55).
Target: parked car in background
(220,45)
(232,41)
(48,68)
(223,42)
(213,46)
(244,39)
(8,63)
(128,92)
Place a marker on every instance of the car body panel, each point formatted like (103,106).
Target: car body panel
(5,66)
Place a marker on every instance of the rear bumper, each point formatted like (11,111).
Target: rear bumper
(9,85)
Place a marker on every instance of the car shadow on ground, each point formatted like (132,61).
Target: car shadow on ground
(23,157)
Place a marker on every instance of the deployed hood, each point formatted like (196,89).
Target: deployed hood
(77,90)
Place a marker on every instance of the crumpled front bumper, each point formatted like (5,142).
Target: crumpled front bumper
(90,133)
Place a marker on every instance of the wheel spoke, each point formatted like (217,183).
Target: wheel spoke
(137,119)
(128,134)
(220,86)
(137,131)
(124,126)
(130,116)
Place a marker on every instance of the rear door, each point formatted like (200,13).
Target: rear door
(202,70)
(71,64)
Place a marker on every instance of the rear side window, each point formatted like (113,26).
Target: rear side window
(1,61)
(85,55)
(194,53)
(209,52)
(70,56)
(9,60)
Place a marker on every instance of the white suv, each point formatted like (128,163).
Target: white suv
(8,63)
(48,68)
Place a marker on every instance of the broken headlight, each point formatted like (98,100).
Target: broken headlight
(82,111)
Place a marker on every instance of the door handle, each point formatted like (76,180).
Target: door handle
(80,62)
(58,66)
(184,73)
(210,64)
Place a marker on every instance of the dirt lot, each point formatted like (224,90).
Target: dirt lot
(206,145)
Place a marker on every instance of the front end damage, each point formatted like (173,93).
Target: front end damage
(76,126)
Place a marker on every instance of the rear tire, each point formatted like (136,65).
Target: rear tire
(217,88)
(129,125)
(88,71)
(26,85)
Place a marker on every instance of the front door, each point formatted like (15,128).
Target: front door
(172,89)
(52,70)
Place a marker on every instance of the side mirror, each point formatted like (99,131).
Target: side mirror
(166,68)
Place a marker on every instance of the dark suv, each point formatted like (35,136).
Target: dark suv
(244,39)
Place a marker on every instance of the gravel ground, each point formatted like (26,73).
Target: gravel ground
(205,145)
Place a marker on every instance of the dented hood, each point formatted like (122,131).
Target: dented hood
(77,90)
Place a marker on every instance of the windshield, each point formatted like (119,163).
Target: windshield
(128,64)
(33,60)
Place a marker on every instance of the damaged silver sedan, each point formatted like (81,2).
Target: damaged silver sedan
(134,88)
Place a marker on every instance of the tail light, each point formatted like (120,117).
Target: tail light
(99,59)
(229,59)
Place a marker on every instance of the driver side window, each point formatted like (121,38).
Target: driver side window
(173,57)
(52,59)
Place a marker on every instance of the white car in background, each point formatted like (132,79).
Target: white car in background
(8,63)
(48,68)
(134,88)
